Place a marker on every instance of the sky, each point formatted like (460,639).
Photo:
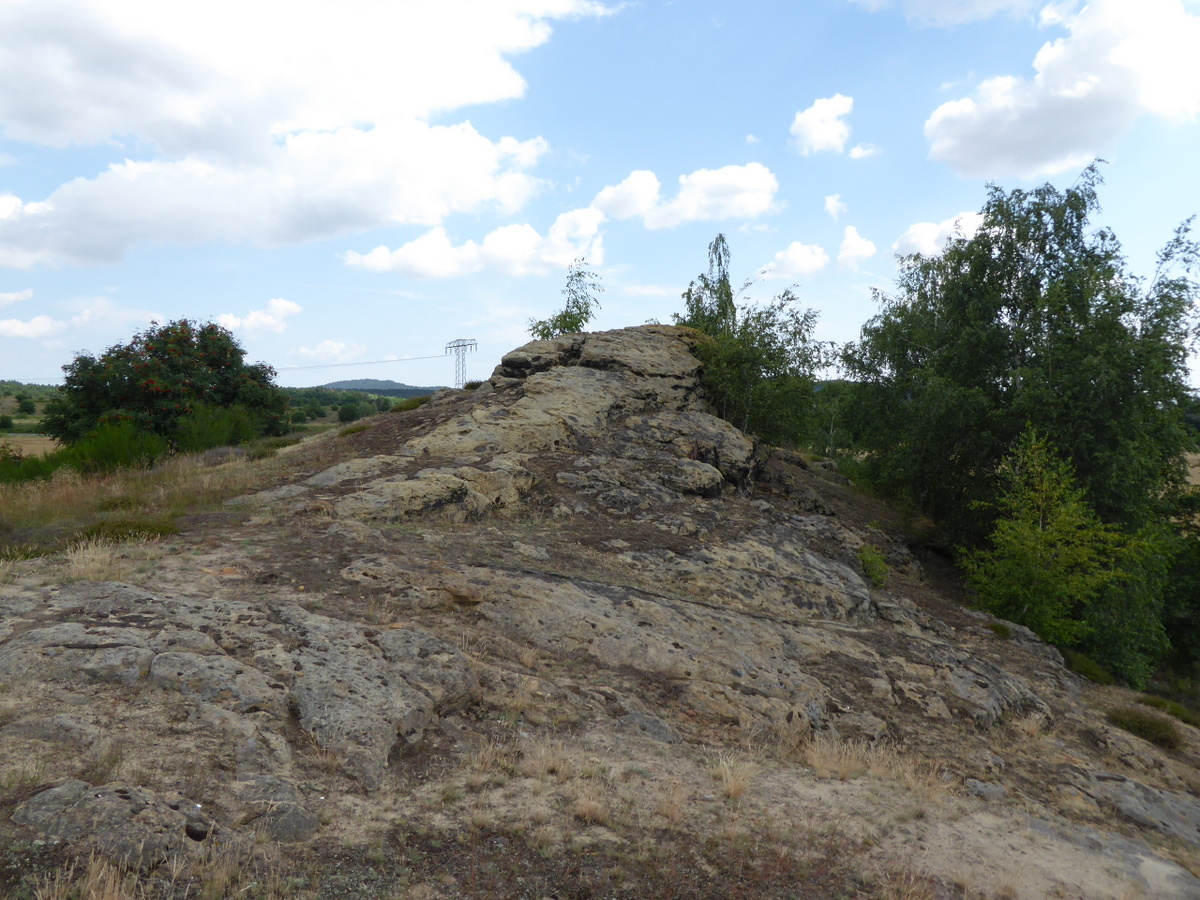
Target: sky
(349,185)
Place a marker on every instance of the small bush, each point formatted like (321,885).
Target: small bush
(355,410)
(6,423)
(353,429)
(116,445)
(1148,726)
(409,404)
(472,385)
(874,566)
(208,426)
(1087,667)
(1178,710)
(1000,630)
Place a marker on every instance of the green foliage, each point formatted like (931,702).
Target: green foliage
(1033,320)
(582,287)
(1083,665)
(160,376)
(6,423)
(409,404)
(1050,556)
(1148,726)
(117,530)
(26,407)
(759,360)
(874,566)
(1178,710)
(208,426)
(355,410)
(114,445)
(353,429)
(1000,630)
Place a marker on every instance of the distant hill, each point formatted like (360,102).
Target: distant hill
(383,388)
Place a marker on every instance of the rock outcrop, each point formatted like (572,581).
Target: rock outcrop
(578,548)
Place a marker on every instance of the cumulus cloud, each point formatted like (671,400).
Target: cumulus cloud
(930,238)
(862,151)
(515,250)
(834,205)
(1119,61)
(273,318)
(7,299)
(332,351)
(821,126)
(258,123)
(37,327)
(854,248)
(731,192)
(795,260)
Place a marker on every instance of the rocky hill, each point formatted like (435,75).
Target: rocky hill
(566,635)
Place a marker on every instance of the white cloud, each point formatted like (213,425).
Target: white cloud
(333,351)
(834,205)
(512,250)
(820,127)
(862,151)
(751,139)
(313,186)
(1120,61)
(273,318)
(744,192)
(795,260)
(930,238)
(262,122)
(37,327)
(854,248)
(731,192)
(7,299)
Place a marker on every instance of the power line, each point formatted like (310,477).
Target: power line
(373,362)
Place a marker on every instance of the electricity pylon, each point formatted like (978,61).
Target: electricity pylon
(460,348)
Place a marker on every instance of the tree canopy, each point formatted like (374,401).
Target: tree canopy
(759,359)
(163,375)
(1034,319)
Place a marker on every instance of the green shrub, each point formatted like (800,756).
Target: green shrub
(208,426)
(353,429)
(355,410)
(1178,710)
(472,385)
(6,423)
(874,566)
(1087,667)
(26,407)
(116,445)
(1147,726)
(409,404)
(1002,631)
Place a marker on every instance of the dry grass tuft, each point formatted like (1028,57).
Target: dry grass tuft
(100,881)
(93,561)
(735,773)
(905,885)
(543,758)
(590,808)
(832,757)
(670,803)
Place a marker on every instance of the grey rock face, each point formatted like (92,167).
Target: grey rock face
(131,825)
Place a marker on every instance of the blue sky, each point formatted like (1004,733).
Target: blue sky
(342,183)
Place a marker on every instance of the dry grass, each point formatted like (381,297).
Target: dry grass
(831,757)
(93,561)
(8,568)
(180,483)
(591,808)
(905,885)
(669,803)
(735,773)
(100,880)
(540,759)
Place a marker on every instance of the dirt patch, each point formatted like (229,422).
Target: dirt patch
(30,444)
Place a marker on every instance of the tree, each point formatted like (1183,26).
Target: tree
(159,378)
(582,287)
(1034,319)
(1050,556)
(759,360)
